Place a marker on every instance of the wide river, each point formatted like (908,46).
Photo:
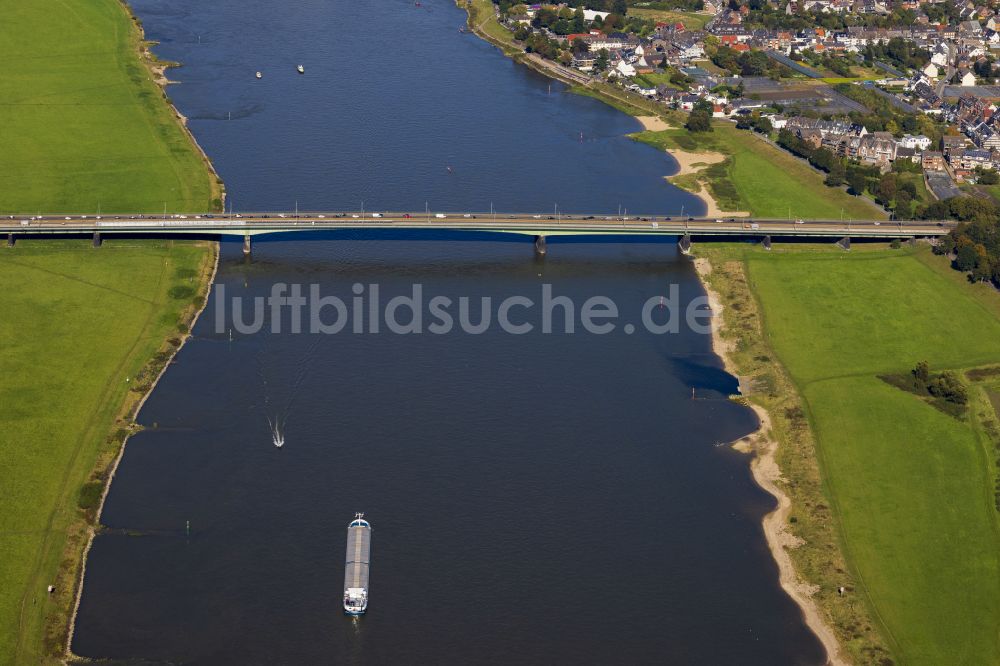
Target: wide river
(536,498)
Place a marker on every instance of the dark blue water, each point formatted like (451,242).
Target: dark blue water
(392,96)
(537,498)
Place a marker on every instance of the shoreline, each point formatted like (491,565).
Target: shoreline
(691,164)
(157,70)
(762,445)
(205,291)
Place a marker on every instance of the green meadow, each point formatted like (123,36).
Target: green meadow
(759,178)
(78,323)
(912,488)
(82,125)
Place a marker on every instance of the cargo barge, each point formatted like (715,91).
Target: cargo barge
(359,544)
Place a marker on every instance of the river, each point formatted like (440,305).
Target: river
(535,498)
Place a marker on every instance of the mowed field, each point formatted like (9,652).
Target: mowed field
(762,179)
(911,486)
(82,125)
(77,323)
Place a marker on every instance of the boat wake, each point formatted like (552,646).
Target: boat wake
(277,436)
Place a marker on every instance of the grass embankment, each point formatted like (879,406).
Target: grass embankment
(77,324)
(907,491)
(758,177)
(84,126)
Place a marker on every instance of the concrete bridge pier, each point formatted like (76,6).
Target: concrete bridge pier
(685,244)
(766,242)
(246,245)
(97,239)
(540,248)
(10,240)
(844,243)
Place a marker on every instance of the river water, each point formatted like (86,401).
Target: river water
(536,498)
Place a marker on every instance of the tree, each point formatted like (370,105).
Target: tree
(601,62)
(887,188)
(857,181)
(763,125)
(837,174)
(967,257)
(699,120)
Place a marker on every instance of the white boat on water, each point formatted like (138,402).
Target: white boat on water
(259,75)
(359,543)
(301,69)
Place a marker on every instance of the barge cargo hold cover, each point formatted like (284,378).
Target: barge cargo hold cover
(359,543)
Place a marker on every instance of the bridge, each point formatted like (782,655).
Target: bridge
(538,227)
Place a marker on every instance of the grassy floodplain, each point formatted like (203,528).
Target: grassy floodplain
(82,123)
(759,178)
(77,323)
(910,489)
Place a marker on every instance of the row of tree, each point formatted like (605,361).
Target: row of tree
(975,243)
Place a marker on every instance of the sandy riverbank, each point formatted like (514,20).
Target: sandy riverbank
(766,472)
(692,163)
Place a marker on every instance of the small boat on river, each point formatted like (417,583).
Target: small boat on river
(300,69)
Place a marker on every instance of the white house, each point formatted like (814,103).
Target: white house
(625,69)
(930,70)
(968,79)
(917,142)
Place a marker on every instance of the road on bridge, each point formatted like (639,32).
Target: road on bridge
(532,225)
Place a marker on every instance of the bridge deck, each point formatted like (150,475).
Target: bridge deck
(529,225)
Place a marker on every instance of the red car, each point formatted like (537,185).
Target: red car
(406,215)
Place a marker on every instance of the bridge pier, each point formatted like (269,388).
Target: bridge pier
(766,242)
(685,244)
(97,239)
(10,240)
(844,243)
(540,248)
(246,245)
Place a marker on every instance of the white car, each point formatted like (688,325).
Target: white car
(376,214)
(754,225)
(654,224)
(355,216)
(440,215)
(799,221)
(281,215)
(322,217)
(878,224)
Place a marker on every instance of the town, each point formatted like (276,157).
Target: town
(892,86)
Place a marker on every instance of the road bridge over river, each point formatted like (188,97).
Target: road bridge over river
(538,227)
